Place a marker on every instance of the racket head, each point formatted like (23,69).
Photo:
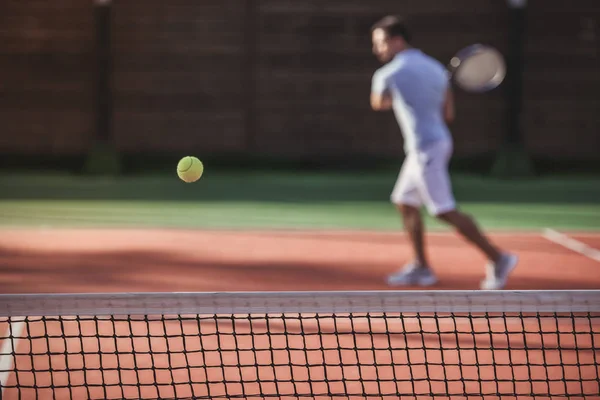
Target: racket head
(477,68)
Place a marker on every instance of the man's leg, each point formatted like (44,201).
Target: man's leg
(413,225)
(406,198)
(436,190)
(501,263)
(418,272)
(467,227)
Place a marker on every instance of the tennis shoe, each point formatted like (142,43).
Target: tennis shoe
(412,275)
(497,273)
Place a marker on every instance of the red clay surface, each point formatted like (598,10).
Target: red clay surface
(37,261)
(78,260)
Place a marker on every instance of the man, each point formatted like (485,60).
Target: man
(416,87)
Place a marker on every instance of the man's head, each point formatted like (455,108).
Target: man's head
(390,36)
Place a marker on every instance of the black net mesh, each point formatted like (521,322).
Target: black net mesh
(290,356)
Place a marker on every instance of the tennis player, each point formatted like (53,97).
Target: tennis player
(416,87)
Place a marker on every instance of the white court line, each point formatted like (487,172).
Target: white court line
(571,244)
(6,352)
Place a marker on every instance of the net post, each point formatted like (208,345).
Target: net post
(102,158)
(512,159)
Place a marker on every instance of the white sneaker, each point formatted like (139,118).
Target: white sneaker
(497,273)
(412,275)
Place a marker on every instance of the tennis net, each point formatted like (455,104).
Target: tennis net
(292,345)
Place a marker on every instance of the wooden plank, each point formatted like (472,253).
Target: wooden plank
(46,65)
(373,6)
(177,75)
(185,131)
(44,131)
(560,110)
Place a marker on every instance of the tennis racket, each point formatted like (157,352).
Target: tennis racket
(477,68)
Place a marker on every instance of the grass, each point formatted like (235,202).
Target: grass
(284,200)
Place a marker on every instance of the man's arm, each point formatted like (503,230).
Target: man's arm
(381,102)
(381,99)
(449,113)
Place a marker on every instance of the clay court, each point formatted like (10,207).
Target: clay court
(363,356)
(83,260)
(281,233)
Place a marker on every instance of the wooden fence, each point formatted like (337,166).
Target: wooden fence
(284,78)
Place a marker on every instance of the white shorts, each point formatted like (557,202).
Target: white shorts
(424,179)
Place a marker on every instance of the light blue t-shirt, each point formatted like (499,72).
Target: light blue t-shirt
(417,84)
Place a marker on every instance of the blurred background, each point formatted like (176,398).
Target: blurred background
(100,100)
(261,81)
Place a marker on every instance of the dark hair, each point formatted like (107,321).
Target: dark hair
(393,25)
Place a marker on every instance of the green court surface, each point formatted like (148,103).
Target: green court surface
(284,200)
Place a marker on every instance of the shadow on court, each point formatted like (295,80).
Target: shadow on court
(161,271)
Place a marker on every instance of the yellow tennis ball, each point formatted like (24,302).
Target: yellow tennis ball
(190,169)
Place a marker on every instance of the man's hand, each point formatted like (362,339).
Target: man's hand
(381,102)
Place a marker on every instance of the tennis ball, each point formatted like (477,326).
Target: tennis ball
(190,169)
